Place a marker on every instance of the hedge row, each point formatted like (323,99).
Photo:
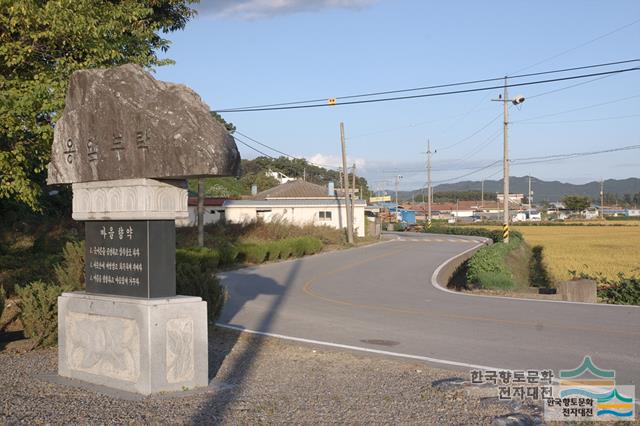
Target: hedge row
(196,276)
(256,251)
(495,235)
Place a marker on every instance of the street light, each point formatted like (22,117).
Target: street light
(518,100)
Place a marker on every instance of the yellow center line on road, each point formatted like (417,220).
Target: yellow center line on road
(308,289)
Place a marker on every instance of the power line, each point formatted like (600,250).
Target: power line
(618,117)
(554,157)
(571,86)
(578,109)
(485,143)
(253,148)
(495,163)
(427,95)
(278,151)
(473,134)
(541,159)
(579,46)
(264,145)
(437,86)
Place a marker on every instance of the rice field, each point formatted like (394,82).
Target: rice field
(592,249)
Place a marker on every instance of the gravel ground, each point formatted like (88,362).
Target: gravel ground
(268,381)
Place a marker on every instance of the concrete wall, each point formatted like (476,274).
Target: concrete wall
(298,215)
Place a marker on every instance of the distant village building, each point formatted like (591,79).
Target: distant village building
(297,202)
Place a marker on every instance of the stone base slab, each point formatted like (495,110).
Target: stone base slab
(135,345)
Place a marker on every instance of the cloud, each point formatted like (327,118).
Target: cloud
(254,9)
(334,161)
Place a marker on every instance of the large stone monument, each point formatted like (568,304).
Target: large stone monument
(127,142)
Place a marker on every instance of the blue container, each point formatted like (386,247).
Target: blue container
(408,216)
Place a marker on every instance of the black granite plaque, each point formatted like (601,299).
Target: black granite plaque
(134,258)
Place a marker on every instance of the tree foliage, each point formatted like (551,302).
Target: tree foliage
(41,43)
(576,202)
(254,172)
(452,196)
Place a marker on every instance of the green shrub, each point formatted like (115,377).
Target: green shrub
(490,260)
(260,251)
(228,254)
(311,245)
(39,311)
(274,250)
(538,274)
(70,272)
(495,281)
(286,249)
(305,245)
(495,235)
(252,252)
(195,276)
(207,258)
(622,291)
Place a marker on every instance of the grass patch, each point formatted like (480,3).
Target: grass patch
(495,280)
(488,268)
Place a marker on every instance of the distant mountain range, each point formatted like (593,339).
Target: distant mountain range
(542,190)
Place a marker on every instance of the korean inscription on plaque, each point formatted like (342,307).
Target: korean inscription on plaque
(123,257)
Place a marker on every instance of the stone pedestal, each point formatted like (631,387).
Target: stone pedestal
(133,344)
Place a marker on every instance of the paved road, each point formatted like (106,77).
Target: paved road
(381,297)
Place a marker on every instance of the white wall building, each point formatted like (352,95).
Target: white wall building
(213,211)
(297,202)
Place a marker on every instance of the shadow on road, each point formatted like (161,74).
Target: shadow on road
(215,408)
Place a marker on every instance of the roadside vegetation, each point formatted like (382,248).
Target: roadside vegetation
(541,255)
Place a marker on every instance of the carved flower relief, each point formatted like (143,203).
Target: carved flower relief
(105,346)
(179,350)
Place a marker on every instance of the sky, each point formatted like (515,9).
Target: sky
(239,53)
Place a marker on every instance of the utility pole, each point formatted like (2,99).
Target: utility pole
(429,189)
(602,199)
(201,212)
(345,174)
(529,197)
(505,160)
(398,177)
(482,195)
(505,167)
